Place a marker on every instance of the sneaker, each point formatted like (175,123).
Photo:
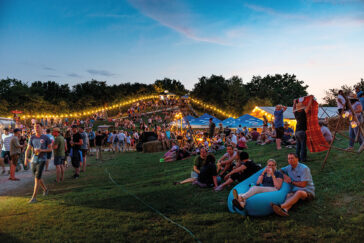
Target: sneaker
(219,188)
(33,200)
(45,193)
(279,211)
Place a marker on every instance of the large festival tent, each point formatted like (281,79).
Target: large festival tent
(245,121)
(288,116)
(203,121)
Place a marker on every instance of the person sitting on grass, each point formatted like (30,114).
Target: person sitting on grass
(243,170)
(183,153)
(269,181)
(171,155)
(198,164)
(226,161)
(208,174)
(302,187)
(242,142)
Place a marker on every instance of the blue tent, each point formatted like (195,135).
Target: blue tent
(249,121)
(203,121)
(228,122)
(204,116)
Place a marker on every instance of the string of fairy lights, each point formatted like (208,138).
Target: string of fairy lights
(257,112)
(87,112)
(213,108)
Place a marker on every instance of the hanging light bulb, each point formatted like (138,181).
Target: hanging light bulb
(353,124)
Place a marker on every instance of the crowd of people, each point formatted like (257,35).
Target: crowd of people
(71,141)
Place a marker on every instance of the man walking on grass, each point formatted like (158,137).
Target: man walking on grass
(84,147)
(59,148)
(41,145)
(76,157)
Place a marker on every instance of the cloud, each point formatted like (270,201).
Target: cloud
(74,75)
(100,72)
(274,12)
(48,68)
(174,15)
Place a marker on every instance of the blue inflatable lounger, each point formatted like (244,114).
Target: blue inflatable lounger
(259,204)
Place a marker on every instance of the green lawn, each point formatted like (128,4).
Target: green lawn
(94,209)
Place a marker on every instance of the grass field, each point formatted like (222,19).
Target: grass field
(94,209)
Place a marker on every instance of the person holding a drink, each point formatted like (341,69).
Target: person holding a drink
(270,180)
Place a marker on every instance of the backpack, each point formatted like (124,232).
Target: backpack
(116,139)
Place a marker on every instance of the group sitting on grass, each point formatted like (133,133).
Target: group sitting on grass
(236,166)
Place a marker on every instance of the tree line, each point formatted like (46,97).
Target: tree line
(230,94)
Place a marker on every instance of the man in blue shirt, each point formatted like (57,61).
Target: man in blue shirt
(41,145)
(302,187)
(287,136)
(278,124)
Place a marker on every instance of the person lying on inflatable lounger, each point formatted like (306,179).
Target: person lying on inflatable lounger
(270,180)
(299,176)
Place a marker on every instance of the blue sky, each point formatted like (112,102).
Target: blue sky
(321,41)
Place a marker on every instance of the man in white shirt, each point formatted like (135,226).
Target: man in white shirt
(5,150)
(121,137)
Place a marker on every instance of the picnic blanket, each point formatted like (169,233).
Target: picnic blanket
(314,135)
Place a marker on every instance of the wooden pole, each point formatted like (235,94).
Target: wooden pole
(332,141)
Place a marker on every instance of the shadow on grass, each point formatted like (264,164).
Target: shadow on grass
(8,238)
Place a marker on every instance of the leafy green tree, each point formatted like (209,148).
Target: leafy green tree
(172,85)
(281,89)
(331,94)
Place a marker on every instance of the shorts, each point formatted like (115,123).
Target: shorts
(194,175)
(49,155)
(59,160)
(76,158)
(37,168)
(14,159)
(92,143)
(84,152)
(309,197)
(279,132)
(5,155)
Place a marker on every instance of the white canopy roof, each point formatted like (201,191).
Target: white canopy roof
(323,112)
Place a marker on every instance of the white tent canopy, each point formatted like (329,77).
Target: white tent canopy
(323,112)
